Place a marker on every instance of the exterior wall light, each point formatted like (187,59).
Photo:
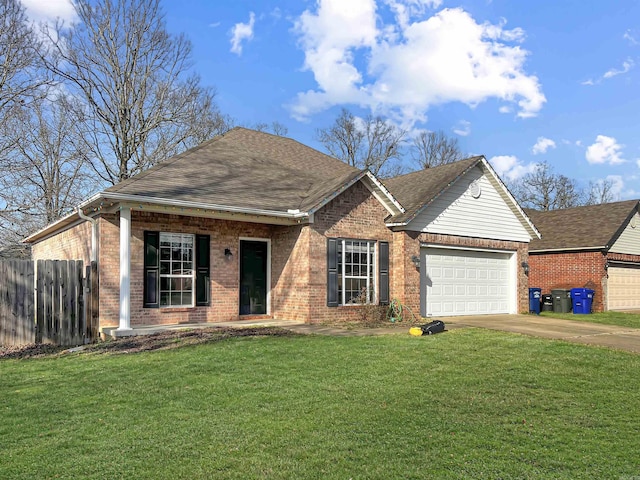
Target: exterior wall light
(416,261)
(525,266)
(227,253)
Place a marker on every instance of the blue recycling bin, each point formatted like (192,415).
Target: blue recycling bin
(534,300)
(582,300)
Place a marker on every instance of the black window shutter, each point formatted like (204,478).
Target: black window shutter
(332,272)
(203,253)
(151,270)
(383,273)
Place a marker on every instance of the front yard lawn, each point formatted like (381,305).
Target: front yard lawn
(468,403)
(608,318)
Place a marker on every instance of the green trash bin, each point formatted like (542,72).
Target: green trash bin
(561,301)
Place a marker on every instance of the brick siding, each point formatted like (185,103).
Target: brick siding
(71,244)
(566,270)
(355,214)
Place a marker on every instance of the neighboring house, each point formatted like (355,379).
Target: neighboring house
(596,246)
(250,223)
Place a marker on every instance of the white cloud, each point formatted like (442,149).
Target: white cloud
(604,150)
(626,66)
(50,10)
(405,10)
(509,167)
(242,32)
(542,145)
(462,128)
(407,67)
(631,37)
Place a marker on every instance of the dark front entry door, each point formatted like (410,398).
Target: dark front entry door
(253,277)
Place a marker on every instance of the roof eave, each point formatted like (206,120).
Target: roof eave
(95,205)
(568,249)
(376,187)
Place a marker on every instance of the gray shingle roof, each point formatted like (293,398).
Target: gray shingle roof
(246,169)
(592,226)
(418,189)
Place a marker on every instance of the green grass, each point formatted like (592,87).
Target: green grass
(464,404)
(608,318)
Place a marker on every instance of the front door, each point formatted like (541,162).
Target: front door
(253,277)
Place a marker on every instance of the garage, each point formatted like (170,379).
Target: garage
(623,288)
(466,282)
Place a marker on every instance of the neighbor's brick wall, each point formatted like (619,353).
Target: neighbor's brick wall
(354,214)
(569,270)
(71,244)
(411,247)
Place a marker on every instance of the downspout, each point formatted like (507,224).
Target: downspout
(94,234)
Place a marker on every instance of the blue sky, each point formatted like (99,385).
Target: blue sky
(519,82)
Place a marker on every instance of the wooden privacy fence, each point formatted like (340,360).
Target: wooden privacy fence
(17,321)
(63,310)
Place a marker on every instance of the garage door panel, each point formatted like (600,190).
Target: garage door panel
(623,288)
(472,282)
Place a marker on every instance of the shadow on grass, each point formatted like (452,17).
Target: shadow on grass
(157,341)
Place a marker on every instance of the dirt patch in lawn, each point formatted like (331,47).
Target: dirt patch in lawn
(158,341)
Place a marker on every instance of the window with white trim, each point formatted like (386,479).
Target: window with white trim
(356,271)
(177,275)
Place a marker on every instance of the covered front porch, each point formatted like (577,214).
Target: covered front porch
(109,333)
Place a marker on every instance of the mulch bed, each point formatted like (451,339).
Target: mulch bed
(158,341)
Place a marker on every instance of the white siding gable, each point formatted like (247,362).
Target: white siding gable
(629,239)
(458,212)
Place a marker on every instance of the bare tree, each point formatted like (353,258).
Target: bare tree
(363,143)
(275,128)
(431,149)
(545,190)
(601,192)
(45,178)
(21,75)
(139,102)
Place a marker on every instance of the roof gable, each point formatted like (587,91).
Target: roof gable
(587,227)
(419,191)
(472,207)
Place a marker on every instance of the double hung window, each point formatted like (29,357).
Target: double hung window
(356,267)
(176,269)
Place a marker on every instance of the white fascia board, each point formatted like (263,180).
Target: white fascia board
(488,168)
(385,195)
(73,218)
(68,221)
(124,198)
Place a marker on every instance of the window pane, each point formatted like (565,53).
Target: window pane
(164,299)
(176,298)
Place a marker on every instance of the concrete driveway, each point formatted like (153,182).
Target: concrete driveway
(622,338)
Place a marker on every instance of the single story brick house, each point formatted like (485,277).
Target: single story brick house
(252,224)
(595,246)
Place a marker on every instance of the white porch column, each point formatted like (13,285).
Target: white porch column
(125,268)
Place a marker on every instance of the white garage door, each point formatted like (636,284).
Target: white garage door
(623,288)
(461,282)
